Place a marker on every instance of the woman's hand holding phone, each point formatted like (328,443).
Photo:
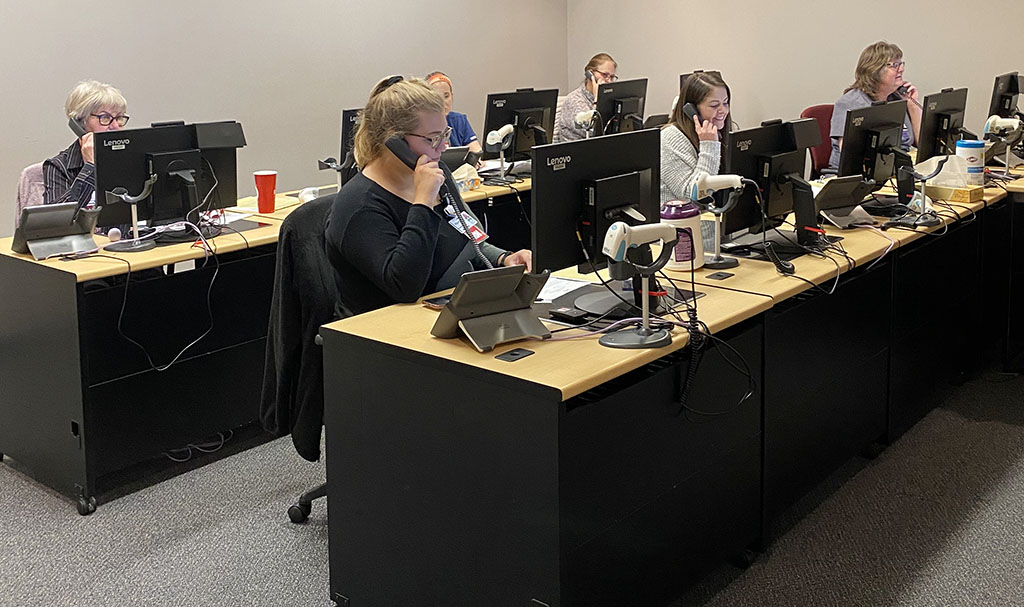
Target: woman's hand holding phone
(428,179)
(87,149)
(705,131)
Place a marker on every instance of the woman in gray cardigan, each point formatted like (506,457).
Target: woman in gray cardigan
(690,146)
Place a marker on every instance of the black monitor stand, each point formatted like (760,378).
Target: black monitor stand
(789,244)
(626,116)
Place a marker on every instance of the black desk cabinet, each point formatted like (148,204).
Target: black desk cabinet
(79,402)
(936,337)
(826,379)
(506,219)
(450,485)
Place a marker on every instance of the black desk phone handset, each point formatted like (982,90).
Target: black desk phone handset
(77,127)
(448,192)
(691,111)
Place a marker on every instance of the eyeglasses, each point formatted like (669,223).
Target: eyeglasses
(606,75)
(896,65)
(436,140)
(105,119)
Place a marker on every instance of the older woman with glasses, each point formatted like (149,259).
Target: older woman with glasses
(91,107)
(388,238)
(878,77)
(599,70)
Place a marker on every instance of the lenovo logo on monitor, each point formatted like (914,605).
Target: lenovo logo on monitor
(559,162)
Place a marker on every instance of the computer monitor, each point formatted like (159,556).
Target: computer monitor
(871,142)
(531,114)
(348,131)
(773,155)
(942,123)
(621,105)
(1005,93)
(347,166)
(683,77)
(582,187)
(587,185)
(190,167)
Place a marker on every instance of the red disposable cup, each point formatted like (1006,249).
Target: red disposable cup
(266,183)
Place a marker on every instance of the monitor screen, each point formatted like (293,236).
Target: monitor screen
(942,123)
(621,105)
(194,167)
(582,187)
(1005,93)
(531,114)
(871,141)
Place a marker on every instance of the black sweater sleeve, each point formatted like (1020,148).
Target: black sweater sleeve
(396,260)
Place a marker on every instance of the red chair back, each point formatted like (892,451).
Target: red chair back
(820,154)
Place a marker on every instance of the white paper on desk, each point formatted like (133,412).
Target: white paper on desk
(556,287)
(232,216)
(489,165)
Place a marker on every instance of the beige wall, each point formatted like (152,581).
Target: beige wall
(780,57)
(282,69)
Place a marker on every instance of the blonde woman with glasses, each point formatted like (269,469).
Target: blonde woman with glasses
(388,238)
(878,77)
(91,107)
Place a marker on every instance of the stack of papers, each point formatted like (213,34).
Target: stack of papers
(556,287)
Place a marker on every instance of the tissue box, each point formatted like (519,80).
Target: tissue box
(971,193)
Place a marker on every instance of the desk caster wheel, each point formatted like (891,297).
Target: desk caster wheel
(86,506)
(298,513)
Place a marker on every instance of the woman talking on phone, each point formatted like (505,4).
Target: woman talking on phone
(91,107)
(389,237)
(878,77)
(691,142)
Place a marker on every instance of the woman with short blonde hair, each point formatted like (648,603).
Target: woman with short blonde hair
(877,77)
(89,96)
(91,107)
(388,238)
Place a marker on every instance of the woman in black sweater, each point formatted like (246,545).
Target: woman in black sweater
(387,237)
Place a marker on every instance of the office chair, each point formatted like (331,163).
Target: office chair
(821,153)
(656,120)
(31,187)
(303,300)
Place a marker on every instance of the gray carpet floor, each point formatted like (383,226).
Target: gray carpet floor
(936,519)
(217,535)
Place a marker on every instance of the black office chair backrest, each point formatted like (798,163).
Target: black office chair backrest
(304,298)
